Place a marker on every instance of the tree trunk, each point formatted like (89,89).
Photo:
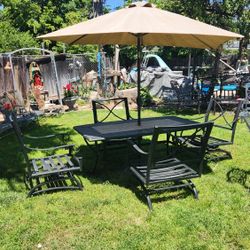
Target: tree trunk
(215,75)
(243,46)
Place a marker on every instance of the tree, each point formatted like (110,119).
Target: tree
(233,15)
(43,16)
(12,39)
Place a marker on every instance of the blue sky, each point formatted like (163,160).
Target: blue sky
(114,3)
(111,3)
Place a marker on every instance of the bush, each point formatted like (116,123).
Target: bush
(126,86)
(146,98)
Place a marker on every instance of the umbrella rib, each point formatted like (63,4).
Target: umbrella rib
(77,39)
(201,41)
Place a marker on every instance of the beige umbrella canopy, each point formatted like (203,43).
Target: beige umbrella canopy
(143,24)
(157,27)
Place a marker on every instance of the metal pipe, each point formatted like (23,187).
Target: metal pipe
(221,60)
(139,40)
(189,63)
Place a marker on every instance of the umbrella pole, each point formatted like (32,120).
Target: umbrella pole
(139,38)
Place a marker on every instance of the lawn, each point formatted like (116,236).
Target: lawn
(109,214)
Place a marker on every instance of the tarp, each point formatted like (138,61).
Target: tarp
(161,84)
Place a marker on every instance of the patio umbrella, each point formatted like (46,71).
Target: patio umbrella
(143,24)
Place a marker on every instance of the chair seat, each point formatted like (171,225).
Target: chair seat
(52,165)
(166,170)
(214,142)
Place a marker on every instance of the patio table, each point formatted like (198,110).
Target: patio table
(109,131)
(128,128)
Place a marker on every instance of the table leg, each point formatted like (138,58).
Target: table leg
(96,152)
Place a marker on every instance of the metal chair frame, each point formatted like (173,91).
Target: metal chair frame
(247,121)
(111,111)
(51,173)
(214,142)
(172,169)
(117,143)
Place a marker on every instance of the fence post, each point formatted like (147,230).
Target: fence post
(56,75)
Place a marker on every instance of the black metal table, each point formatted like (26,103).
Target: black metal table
(109,131)
(127,129)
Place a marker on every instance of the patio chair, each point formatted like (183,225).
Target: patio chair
(109,109)
(247,121)
(49,173)
(186,97)
(215,143)
(105,110)
(180,164)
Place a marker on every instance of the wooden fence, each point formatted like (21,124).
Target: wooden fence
(69,67)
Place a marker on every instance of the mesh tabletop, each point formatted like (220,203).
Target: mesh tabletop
(128,128)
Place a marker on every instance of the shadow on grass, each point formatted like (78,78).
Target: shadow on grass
(237,175)
(12,163)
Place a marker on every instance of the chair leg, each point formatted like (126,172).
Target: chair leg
(193,189)
(96,152)
(57,182)
(145,191)
(76,180)
(27,181)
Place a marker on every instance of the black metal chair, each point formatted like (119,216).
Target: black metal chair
(228,128)
(103,110)
(187,98)
(50,173)
(180,164)
(110,106)
(247,121)
(215,142)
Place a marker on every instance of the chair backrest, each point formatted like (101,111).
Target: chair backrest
(247,121)
(13,120)
(213,105)
(247,96)
(109,109)
(199,132)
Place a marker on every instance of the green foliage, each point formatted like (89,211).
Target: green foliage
(89,50)
(126,85)
(40,17)
(12,39)
(146,98)
(81,102)
(128,55)
(233,15)
(84,92)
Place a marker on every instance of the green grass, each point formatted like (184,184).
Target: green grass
(109,214)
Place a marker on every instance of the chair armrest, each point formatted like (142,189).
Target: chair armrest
(69,146)
(79,161)
(136,148)
(223,127)
(198,118)
(46,136)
